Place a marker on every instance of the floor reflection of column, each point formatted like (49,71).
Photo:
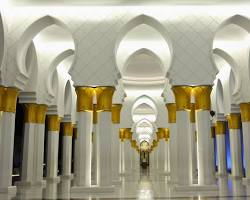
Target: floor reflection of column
(145,189)
(50,191)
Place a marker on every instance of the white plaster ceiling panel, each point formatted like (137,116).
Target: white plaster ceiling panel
(190,29)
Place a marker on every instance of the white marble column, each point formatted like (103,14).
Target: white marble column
(115,143)
(67,149)
(220,131)
(121,152)
(52,148)
(167,160)
(182,99)
(94,149)
(83,143)
(127,156)
(212,144)
(171,107)
(34,117)
(245,119)
(104,136)
(203,127)
(193,143)
(235,144)
(7,124)
(161,150)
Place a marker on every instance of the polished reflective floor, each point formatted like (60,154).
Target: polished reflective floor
(137,185)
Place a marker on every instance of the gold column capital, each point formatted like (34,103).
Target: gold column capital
(95,117)
(160,134)
(122,134)
(84,98)
(116,110)
(212,132)
(233,121)
(2,92)
(202,97)
(35,113)
(104,97)
(30,112)
(41,113)
(245,112)
(192,113)
(10,99)
(182,97)
(171,107)
(67,129)
(166,134)
(127,134)
(220,128)
(53,122)
(133,144)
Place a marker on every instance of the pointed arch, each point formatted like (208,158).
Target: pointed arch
(237,83)
(238,20)
(28,35)
(139,20)
(68,99)
(143,51)
(219,97)
(53,66)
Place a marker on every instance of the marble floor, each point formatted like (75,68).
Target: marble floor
(137,185)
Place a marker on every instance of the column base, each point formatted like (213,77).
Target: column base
(221,175)
(92,189)
(117,182)
(11,190)
(246,181)
(30,183)
(67,177)
(53,179)
(193,188)
(234,177)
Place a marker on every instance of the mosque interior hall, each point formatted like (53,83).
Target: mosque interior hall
(119,99)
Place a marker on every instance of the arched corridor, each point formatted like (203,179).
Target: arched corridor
(124,100)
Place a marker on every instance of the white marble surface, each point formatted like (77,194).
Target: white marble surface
(235,150)
(221,153)
(246,143)
(139,185)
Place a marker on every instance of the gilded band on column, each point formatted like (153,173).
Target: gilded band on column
(182,97)
(233,121)
(245,112)
(202,97)
(8,99)
(220,128)
(116,110)
(67,129)
(53,122)
(171,107)
(104,97)
(84,99)
(35,113)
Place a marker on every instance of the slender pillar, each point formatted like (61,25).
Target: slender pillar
(212,143)
(127,152)
(203,128)
(245,119)
(52,149)
(8,98)
(220,131)
(67,149)
(33,148)
(166,149)
(184,159)
(84,136)
(115,143)
(75,147)
(133,153)
(235,144)
(171,107)
(193,143)
(161,149)
(104,135)
(94,148)
(121,151)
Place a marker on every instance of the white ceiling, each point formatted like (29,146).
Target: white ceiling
(129,2)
